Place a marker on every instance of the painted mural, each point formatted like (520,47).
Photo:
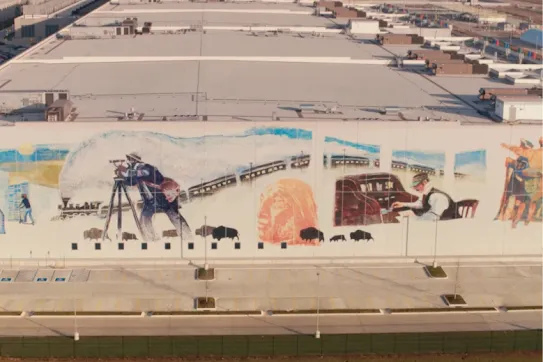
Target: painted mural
(470,165)
(274,186)
(352,162)
(522,191)
(408,190)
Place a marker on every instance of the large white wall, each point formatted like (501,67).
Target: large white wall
(86,176)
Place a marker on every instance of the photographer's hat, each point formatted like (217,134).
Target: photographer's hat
(134,156)
(419,178)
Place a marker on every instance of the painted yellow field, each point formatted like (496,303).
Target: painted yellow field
(44,173)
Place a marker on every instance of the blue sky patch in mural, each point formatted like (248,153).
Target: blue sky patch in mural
(470,163)
(371,151)
(435,160)
(38,154)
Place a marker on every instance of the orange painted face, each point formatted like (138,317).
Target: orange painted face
(286,207)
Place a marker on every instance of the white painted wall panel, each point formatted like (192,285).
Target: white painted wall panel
(71,161)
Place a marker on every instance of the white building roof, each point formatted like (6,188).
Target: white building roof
(233,75)
(533,37)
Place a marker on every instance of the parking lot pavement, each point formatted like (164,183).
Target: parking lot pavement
(352,287)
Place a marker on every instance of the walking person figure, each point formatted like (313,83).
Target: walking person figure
(28,209)
(2,225)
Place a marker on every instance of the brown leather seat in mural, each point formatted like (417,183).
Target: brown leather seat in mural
(467,208)
(366,199)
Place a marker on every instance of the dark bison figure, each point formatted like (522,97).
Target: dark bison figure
(172,233)
(361,235)
(338,237)
(223,232)
(205,230)
(311,233)
(129,236)
(93,234)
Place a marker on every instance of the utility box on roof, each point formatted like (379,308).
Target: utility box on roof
(454,68)
(519,108)
(364,26)
(487,93)
(427,54)
(399,39)
(329,4)
(346,14)
(59,111)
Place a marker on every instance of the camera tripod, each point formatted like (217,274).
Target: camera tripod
(118,189)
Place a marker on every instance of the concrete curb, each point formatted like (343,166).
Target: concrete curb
(339,312)
(15,263)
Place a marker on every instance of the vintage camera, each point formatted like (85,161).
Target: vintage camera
(119,165)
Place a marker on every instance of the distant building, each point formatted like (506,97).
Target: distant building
(42,19)
(506,26)
(9,10)
(527,26)
(533,37)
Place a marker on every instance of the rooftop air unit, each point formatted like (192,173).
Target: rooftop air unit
(59,111)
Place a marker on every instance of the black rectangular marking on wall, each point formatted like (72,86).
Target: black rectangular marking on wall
(214,246)
(283,245)
(237,246)
(143,246)
(168,246)
(120,246)
(261,245)
(97,246)
(74,246)
(191,246)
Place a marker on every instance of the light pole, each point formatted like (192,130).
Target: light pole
(170,309)
(76,333)
(318,332)
(435,246)
(344,162)
(206,266)
(456,279)
(406,218)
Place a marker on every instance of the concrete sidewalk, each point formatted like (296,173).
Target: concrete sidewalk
(247,288)
(276,325)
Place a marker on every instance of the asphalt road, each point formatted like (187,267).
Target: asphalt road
(257,325)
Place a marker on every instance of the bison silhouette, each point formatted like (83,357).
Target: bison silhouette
(338,237)
(361,235)
(128,236)
(223,232)
(172,233)
(93,234)
(205,230)
(311,233)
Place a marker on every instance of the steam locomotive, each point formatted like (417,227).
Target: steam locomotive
(97,208)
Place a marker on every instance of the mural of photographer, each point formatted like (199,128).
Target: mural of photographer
(523,190)
(159,194)
(177,187)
